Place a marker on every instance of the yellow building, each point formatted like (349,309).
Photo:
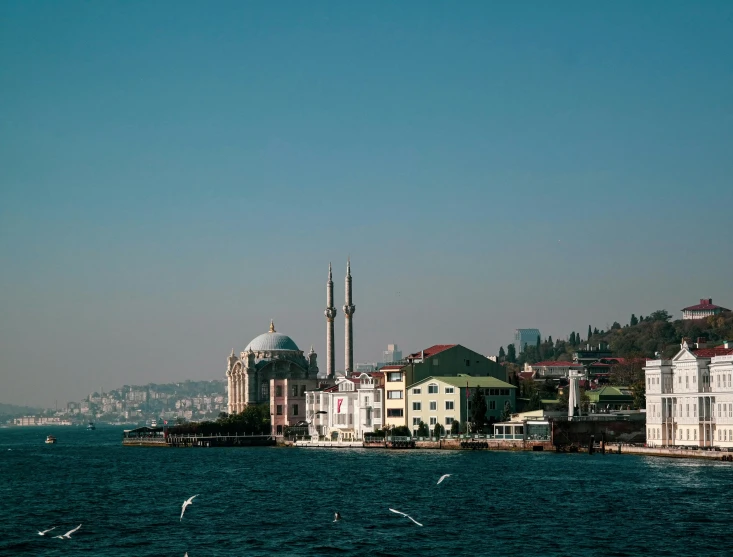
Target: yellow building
(395,395)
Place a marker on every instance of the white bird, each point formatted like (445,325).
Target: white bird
(67,535)
(407,515)
(444,476)
(337,516)
(46,531)
(186,503)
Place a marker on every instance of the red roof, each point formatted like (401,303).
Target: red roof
(711,352)
(551,363)
(392,366)
(432,351)
(705,304)
(526,375)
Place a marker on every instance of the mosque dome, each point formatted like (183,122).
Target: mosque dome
(272,340)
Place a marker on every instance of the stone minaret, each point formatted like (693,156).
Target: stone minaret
(349,309)
(330,315)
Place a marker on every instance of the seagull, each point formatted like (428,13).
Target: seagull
(407,515)
(46,531)
(186,503)
(337,516)
(444,476)
(67,535)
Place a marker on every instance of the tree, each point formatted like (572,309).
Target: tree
(633,321)
(478,410)
(571,340)
(660,315)
(455,427)
(590,332)
(616,325)
(506,415)
(596,331)
(502,354)
(538,348)
(511,354)
(535,401)
(422,429)
(401,431)
(438,430)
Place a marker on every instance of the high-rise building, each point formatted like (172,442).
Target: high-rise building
(525,337)
(392,354)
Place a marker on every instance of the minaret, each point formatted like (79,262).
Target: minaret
(330,315)
(349,309)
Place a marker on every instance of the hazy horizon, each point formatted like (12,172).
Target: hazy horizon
(175,175)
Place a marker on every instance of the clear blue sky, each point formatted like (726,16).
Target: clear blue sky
(174,174)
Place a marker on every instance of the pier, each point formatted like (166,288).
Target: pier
(160,437)
(669,452)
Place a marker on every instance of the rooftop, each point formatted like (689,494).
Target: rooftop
(705,304)
(432,351)
(556,363)
(470,382)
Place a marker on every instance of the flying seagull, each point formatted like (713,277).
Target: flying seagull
(67,535)
(186,503)
(46,531)
(407,515)
(337,516)
(444,476)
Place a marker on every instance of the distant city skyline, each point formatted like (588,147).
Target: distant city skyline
(167,189)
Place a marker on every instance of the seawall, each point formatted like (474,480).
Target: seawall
(669,452)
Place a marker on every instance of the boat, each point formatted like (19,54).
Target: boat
(50,440)
(154,423)
(91,426)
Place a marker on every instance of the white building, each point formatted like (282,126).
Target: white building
(689,399)
(553,369)
(347,410)
(705,308)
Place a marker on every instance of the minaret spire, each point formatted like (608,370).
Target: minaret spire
(349,309)
(330,315)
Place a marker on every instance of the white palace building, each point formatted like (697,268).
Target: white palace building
(689,399)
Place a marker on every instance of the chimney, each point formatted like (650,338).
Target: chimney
(702,342)
(727,344)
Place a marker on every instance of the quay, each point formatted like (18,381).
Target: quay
(669,452)
(159,437)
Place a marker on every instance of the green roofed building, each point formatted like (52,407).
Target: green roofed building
(610,398)
(444,400)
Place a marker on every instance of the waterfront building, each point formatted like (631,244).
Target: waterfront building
(437,360)
(592,353)
(347,410)
(705,308)
(445,399)
(609,398)
(392,354)
(689,399)
(288,401)
(525,337)
(269,356)
(553,369)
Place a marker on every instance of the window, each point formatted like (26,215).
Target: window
(265,390)
(718,380)
(377,396)
(295,409)
(394,394)
(302,390)
(279,410)
(432,389)
(393,376)
(435,361)
(694,435)
(395,412)
(449,390)
(468,362)
(448,421)
(279,390)
(694,410)
(449,405)
(688,434)
(433,405)
(687,381)
(417,405)
(416,421)
(416,391)
(366,401)
(492,405)
(687,409)
(294,390)
(433,420)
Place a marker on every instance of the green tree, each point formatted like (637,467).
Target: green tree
(616,325)
(535,401)
(633,321)
(438,430)
(422,429)
(478,410)
(401,431)
(571,340)
(596,331)
(506,414)
(502,354)
(660,315)
(538,349)
(590,332)
(511,353)
(455,427)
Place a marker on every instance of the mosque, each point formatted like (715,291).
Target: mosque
(273,370)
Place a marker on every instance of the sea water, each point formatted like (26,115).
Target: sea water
(281,501)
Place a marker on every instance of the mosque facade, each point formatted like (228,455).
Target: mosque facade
(272,365)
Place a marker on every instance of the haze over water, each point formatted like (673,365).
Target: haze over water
(274,501)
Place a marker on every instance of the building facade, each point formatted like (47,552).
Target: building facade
(395,395)
(392,354)
(553,369)
(525,337)
(443,400)
(689,399)
(287,402)
(704,309)
(347,410)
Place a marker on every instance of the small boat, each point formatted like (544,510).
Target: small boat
(154,423)
(91,426)
(50,440)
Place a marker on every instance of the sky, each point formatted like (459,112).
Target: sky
(173,175)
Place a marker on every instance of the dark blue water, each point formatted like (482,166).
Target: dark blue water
(277,501)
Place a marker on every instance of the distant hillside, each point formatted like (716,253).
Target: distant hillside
(9,411)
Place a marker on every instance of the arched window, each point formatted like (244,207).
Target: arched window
(265,390)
